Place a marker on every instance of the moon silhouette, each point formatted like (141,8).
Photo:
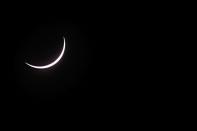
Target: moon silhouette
(51,64)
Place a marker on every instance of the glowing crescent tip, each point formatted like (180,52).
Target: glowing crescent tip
(51,64)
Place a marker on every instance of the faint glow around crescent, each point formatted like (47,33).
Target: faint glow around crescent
(51,64)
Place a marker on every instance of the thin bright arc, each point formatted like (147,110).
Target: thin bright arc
(51,64)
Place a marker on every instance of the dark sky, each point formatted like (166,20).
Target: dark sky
(86,75)
(114,64)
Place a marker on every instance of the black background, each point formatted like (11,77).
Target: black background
(114,68)
(113,60)
(98,73)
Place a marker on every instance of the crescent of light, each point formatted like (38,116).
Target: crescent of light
(51,64)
